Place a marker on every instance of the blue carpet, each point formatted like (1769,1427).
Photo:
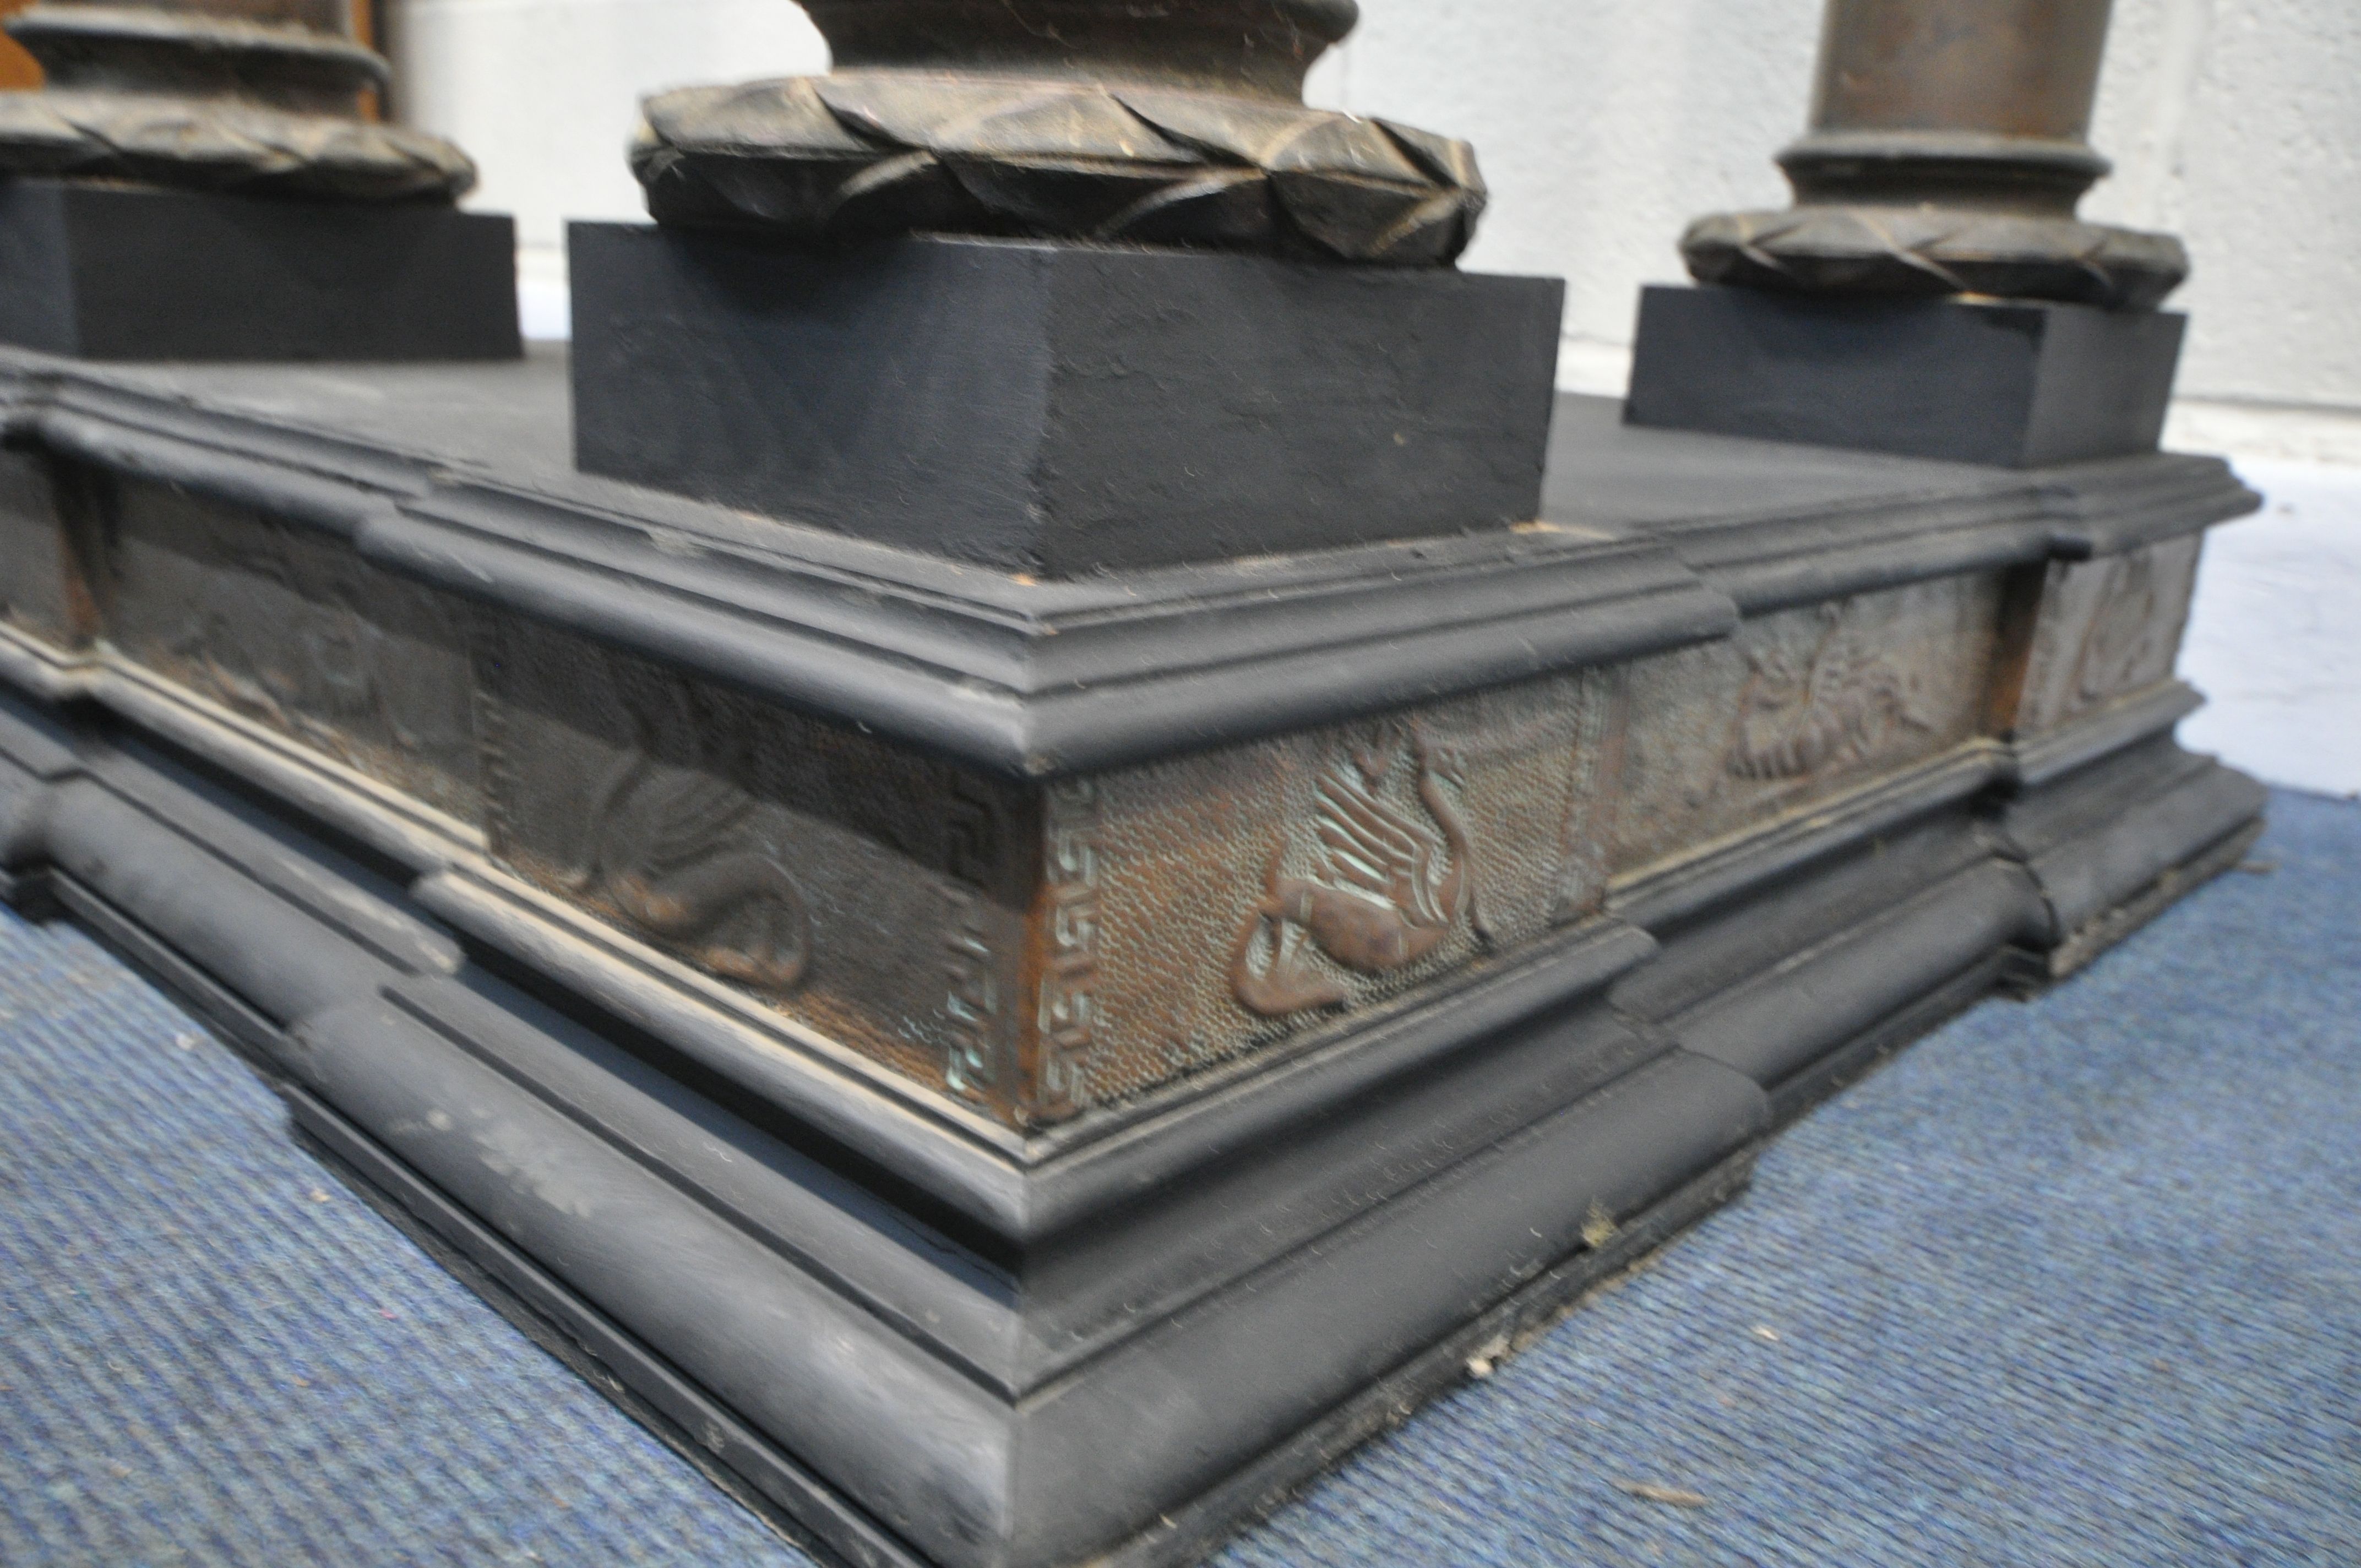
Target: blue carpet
(2072,1283)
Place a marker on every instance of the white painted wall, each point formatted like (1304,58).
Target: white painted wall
(544,93)
(2275,636)
(1604,125)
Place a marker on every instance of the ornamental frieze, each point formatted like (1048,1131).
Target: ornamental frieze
(1391,879)
(2106,628)
(1083,941)
(1800,704)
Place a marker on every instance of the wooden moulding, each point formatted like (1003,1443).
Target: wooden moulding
(952,972)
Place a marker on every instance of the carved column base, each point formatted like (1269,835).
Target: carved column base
(107,272)
(1021,1072)
(2017,383)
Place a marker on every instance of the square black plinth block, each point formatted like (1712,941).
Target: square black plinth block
(105,273)
(2017,383)
(1058,408)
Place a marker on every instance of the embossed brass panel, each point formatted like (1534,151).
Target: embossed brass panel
(1040,952)
(284,626)
(1247,895)
(260,95)
(1799,706)
(1946,156)
(876,895)
(1177,123)
(2106,628)
(1241,897)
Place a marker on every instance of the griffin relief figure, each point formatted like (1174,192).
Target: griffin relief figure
(1392,882)
(1844,701)
(668,850)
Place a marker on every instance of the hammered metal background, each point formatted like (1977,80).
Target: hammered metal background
(2107,628)
(285,625)
(1797,706)
(1188,848)
(728,832)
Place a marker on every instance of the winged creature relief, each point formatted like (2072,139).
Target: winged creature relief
(1394,878)
(1844,701)
(669,849)
(301,642)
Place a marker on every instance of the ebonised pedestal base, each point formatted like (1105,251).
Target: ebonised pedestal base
(106,272)
(2015,383)
(1060,409)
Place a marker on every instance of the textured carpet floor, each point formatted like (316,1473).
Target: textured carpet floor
(2072,1283)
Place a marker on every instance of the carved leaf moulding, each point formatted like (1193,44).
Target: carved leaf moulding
(861,153)
(221,145)
(1842,703)
(191,98)
(1059,678)
(2107,628)
(1864,249)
